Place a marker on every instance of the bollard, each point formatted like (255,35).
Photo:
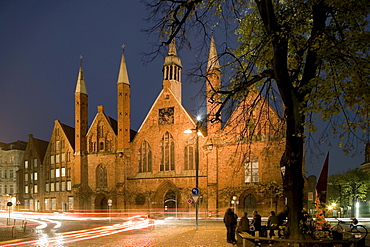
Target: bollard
(13,227)
(24,227)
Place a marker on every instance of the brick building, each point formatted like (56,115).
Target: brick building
(154,169)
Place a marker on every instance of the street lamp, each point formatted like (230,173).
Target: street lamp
(196,130)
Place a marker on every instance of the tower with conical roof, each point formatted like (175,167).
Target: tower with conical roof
(81,127)
(213,83)
(172,71)
(81,113)
(123,107)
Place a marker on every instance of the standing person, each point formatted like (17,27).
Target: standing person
(230,220)
(256,222)
(244,223)
(272,223)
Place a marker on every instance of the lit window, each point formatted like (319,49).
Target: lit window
(26,189)
(57,173)
(57,158)
(167,153)
(57,145)
(251,171)
(52,187)
(26,164)
(35,176)
(35,189)
(145,157)
(26,177)
(63,171)
(69,185)
(47,187)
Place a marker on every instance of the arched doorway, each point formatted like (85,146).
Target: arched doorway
(170,204)
(250,204)
(101,203)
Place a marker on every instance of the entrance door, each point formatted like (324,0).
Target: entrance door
(170,204)
(101,203)
(250,204)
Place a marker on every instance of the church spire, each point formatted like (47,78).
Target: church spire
(80,85)
(213,84)
(123,75)
(172,71)
(213,62)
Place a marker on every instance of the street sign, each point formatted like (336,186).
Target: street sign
(18,202)
(190,200)
(195,199)
(9,204)
(110,201)
(195,191)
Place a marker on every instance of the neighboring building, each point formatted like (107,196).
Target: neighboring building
(154,169)
(31,177)
(11,155)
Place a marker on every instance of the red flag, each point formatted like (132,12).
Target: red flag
(322,183)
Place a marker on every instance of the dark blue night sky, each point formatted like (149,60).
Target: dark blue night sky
(40,46)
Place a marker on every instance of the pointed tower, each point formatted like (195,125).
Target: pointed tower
(172,71)
(81,126)
(123,107)
(213,83)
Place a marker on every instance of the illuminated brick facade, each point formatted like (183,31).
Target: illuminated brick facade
(153,170)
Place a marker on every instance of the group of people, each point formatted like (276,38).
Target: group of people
(231,222)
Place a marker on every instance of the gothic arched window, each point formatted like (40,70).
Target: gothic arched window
(251,170)
(145,157)
(101,177)
(167,153)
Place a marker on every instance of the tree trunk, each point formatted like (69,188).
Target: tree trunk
(292,161)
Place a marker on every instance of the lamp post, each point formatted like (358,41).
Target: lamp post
(196,166)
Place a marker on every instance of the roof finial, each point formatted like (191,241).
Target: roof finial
(123,47)
(81,59)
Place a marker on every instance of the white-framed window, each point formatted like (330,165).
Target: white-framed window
(57,173)
(251,170)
